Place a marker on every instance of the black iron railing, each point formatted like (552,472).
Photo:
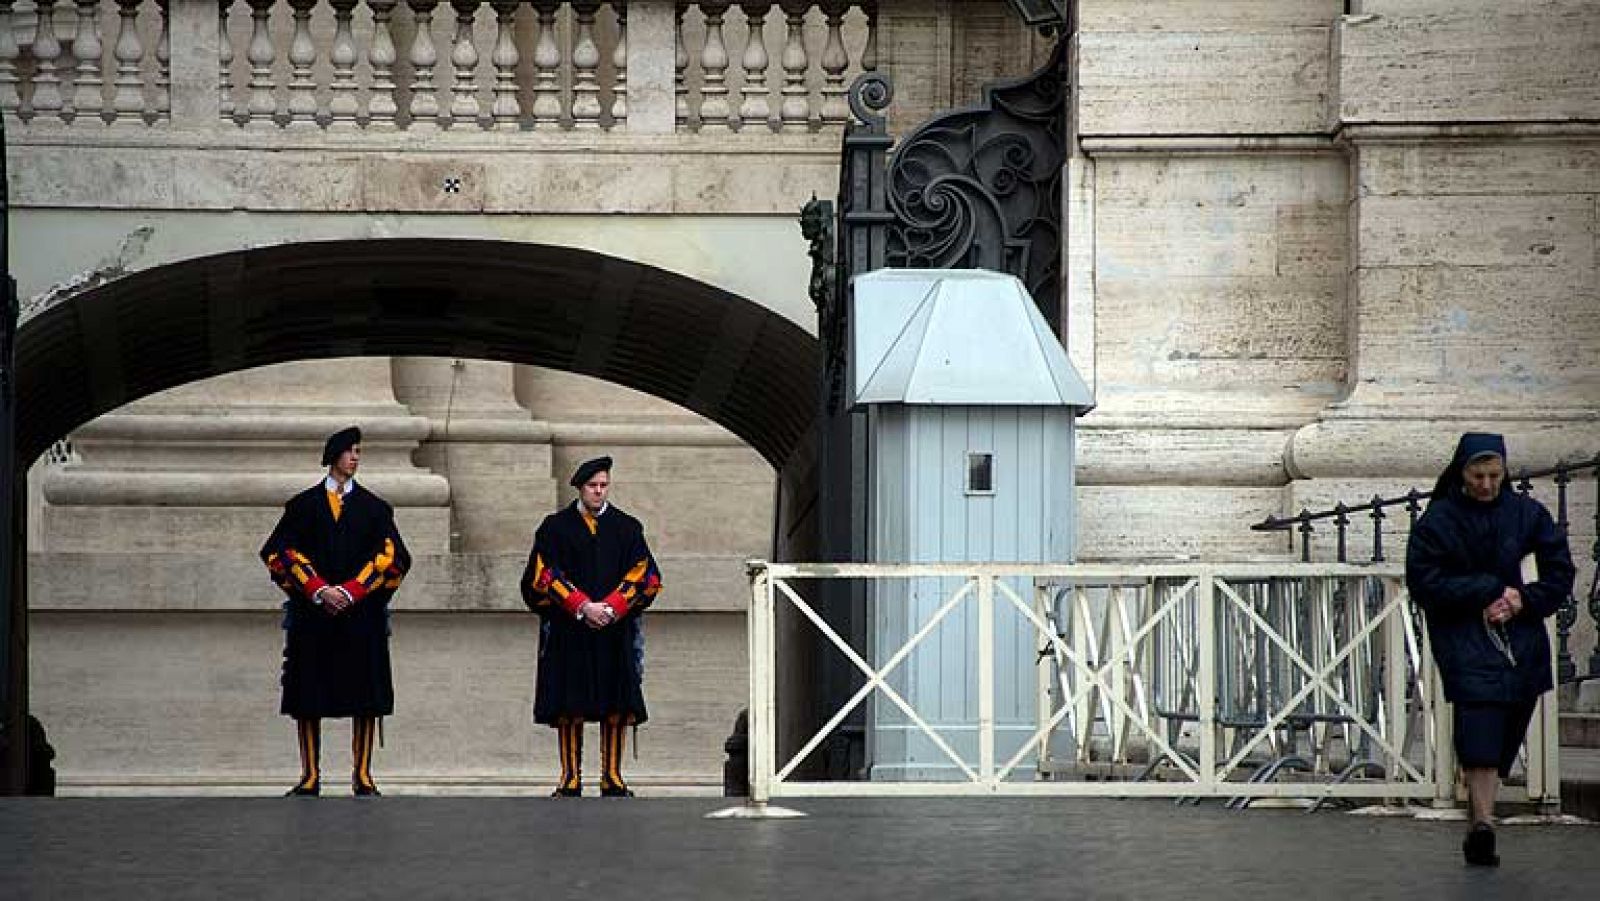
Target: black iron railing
(1341,516)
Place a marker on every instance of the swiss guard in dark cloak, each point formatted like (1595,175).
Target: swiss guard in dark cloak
(590,577)
(338,558)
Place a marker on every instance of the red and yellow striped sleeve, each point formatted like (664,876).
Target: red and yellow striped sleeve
(294,573)
(637,589)
(382,571)
(545,585)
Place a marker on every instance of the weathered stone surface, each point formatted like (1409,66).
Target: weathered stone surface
(668,174)
(1524,168)
(463,684)
(1400,62)
(1553,231)
(1447,325)
(1134,522)
(1204,15)
(1204,82)
(1140,456)
(1215,272)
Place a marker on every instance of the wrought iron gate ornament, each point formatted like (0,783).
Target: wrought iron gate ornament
(981,187)
(973,188)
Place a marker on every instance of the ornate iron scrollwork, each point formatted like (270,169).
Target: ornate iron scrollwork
(981,187)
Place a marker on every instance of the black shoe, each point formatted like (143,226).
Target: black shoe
(365,791)
(300,791)
(615,791)
(1478,848)
(567,793)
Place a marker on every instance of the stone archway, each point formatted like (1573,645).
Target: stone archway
(701,348)
(707,350)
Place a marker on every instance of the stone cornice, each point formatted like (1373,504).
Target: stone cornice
(1204,145)
(1416,132)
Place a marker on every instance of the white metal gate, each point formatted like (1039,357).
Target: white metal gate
(1173,680)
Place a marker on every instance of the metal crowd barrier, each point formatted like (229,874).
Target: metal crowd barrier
(1239,682)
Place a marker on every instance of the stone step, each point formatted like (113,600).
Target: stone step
(1580,730)
(1580,782)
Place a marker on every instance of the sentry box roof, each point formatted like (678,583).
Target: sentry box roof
(956,336)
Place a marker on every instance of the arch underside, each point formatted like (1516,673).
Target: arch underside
(720,355)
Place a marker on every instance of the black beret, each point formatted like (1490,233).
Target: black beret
(586,471)
(338,443)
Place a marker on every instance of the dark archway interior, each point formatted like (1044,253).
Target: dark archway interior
(718,354)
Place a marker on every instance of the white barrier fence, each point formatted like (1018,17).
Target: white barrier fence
(1246,681)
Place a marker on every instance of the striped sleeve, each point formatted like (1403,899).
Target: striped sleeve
(288,567)
(548,587)
(544,587)
(294,573)
(639,587)
(384,570)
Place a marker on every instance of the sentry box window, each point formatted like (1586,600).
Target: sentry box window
(980,473)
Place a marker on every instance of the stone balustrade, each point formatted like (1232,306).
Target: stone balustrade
(645,66)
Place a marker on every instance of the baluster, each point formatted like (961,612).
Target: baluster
(1305,535)
(127,103)
(164,64)
(1414,505)
(1341,521)
(619,62)
(47,100)
(464,106)
(424,56)
(795,111)
(756,108)
(506,110)
(381,56)
(869,54)
(10,97)
(224,61)
(302,56)
(547,66)
(342,104)
(1377,529)
(714,110)
(585,65)
(834,63)
(680,62)
(86,100)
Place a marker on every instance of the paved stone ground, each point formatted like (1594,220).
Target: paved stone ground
(924,850)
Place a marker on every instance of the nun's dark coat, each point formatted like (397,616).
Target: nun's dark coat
(336,664)
(1462,554)
(586,673)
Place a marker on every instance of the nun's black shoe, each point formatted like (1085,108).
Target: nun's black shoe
(1478,847)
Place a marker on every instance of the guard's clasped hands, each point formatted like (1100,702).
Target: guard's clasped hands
(596,615)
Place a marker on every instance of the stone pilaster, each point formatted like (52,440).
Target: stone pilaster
(496,459)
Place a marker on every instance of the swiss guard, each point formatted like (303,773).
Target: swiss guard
(590,577)
(338,558)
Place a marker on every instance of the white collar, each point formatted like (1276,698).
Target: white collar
(578,503)
(332,485)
